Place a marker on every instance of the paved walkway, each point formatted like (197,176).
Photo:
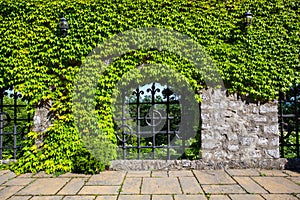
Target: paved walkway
(154,185)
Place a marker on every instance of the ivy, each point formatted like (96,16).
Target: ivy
(257,63)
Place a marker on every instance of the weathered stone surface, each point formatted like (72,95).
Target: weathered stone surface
(47,197)
(41,120)
(135,197)
(292,173)
(106,198)
(245,197)
(73,175)
(249,185)
(19,198)
(19,181)
(278,184)
(79,198)
(99,190)
(272,172)
(131,186)
(213,177)
(161,186)
(196,164)
(162,197)
(190,185)
(247,131)
(107,178)
(159,174)
(44,186)
(42,174)
(182,173)
(279,197)
(9,191)
(295,180)
(73,186)
(131,174)
(243,172)
(6,176)
(223,189)
(190,197)
(219,197)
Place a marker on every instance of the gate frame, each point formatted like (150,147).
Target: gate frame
(122,133)
(15,119)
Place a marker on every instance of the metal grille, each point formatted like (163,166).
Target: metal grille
(289,123)
(14,121)
(148,124)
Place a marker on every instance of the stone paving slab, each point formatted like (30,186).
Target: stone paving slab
(47,198)
(20,197)
(107,178)
(292,173)
(246,197)
(19,181)
(7,192)
(106,198)
(159,174)
(134,197)
(295,179)
(7,175)
(223,189)
(277,184)
(161,186)
(131,186)
(218,197)
(189,197)
(153,185)
(243,172)
(279,197)
(162,197)
(185,173)
(138,174)
(44,186)
(249,185)
(213,177)
(79,198)
(190,185)
(272,173)
(73,186)
(99,190)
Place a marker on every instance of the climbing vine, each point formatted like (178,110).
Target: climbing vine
(257,62)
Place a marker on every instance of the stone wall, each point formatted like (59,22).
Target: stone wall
(237,131)
(235,134)
(42,122)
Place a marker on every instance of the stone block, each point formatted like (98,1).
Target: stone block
(274,142)
(233,148)
(271,129)
(263,142)
(210,144)
(274,153)
(268,108)
(260,118)
(248,141)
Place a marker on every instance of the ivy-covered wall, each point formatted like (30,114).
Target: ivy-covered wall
(42,65)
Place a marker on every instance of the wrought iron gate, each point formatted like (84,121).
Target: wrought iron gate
(147,126)
(289,123)
(14,121)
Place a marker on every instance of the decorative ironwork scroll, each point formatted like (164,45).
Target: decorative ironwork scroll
(149,120)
